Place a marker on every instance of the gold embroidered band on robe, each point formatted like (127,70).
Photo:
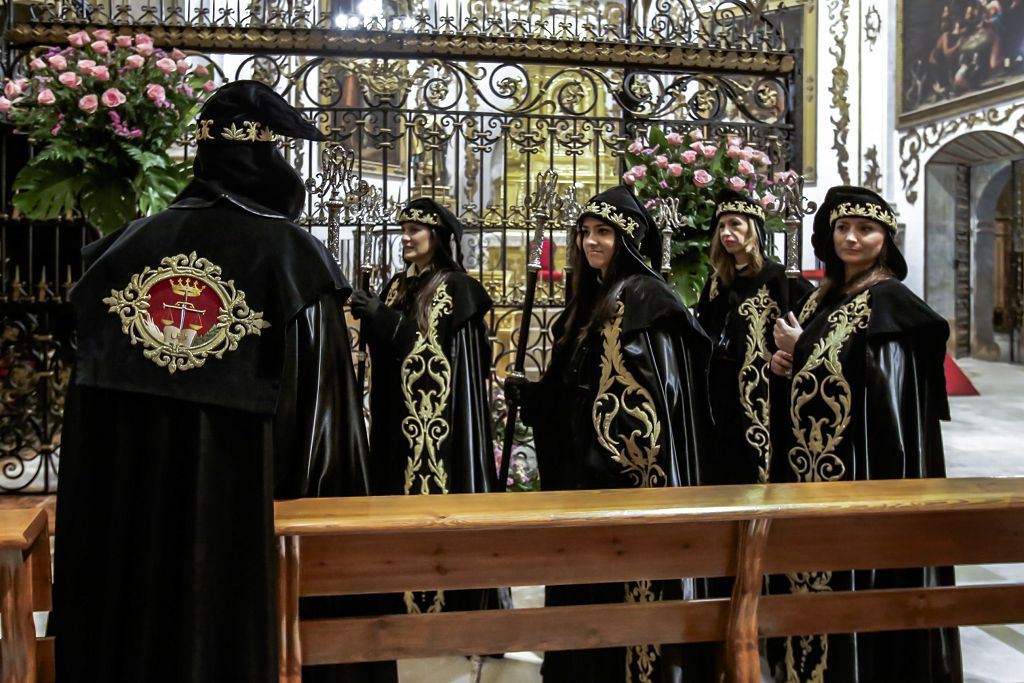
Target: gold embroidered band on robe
(426,388)
(183,313)
(249,131)
(713,292)
(867,210)
(760,312)
(418,216)
(810,306)
(815,457)
(740,207)
(621,400)
(612,215)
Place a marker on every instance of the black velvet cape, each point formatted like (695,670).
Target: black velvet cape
(166,558)
(430,420)
(739,318)
(874,358)
(652,359)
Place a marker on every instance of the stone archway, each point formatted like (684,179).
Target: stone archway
(967,185)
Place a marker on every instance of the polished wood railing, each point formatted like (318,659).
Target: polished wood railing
(24,588)
(394,544)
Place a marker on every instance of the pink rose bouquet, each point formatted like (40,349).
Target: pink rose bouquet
(103,111)
(695,169)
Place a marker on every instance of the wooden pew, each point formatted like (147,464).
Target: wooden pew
(24,588)
(394,544)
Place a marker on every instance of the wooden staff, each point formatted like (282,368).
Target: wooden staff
(542,202)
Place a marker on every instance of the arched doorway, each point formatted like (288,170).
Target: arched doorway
(974,243)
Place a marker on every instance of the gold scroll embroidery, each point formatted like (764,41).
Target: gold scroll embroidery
(809,307)
(759,311)
(814,457)
(641,659)
(620,396)
(713,292)
(425,426)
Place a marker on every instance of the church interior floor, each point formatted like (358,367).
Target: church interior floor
(983,439)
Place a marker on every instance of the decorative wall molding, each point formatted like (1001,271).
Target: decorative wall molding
(873,174)
(872,26)
(838,16)
(917,141)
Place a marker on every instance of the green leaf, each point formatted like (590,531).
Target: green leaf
(147,160)
(157,187)
(656,136)
(689,272)
(108,201)
(46,189)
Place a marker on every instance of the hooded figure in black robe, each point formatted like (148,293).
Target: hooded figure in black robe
(213,374)
(430,362)
(868,392)
(737,310)
(622,405)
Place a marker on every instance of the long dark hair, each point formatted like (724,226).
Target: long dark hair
(438,270)
(594,298)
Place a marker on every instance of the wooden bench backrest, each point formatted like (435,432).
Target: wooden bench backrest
(395,544)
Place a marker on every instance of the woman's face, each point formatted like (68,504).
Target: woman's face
(417,244)
(597,239)
(733,232)
(858,242)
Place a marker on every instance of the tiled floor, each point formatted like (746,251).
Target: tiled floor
(983,439)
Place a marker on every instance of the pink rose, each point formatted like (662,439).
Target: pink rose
(689,156)
(89,103)
(767,200)
(123,41)
(710,151)
(733,152)
(650,204)
(209,86)
(746,168)
(79,39)
(101,73)
(144,49)
(155,92)
(202,71)
(747,153)
(70,79)
(676,170)
(183,67)
(674,139)
(112,97)
(46,97)
(37,64)
(86,66)
(177,55)
(629,178)
(135,61)
(702,178)
(762,159)
(662,161)
(100,47)
(5,105)
(143,39)
(12,89)
(640,171)
(734,140)
(737,183)
(695,134)
(697,147)
(635,147)
(103,34)
(58,62)
(663,185)
(166,65)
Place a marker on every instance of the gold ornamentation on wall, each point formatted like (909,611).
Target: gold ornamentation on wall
(872,26)
(624,416)
(873,175)
(814,456)
(760,311)
(838,14)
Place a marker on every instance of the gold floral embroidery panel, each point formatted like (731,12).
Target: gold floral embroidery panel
(760,311)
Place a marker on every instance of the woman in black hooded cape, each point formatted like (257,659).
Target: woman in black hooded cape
(622,405)
(868,392)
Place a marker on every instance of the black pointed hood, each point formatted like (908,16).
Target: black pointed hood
(845,201)
(620,208)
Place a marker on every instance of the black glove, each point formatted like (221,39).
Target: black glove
(518,389)
(363,304)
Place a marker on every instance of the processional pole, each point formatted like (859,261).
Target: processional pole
(543,203)
(794,206)
(667,219)
(569,215)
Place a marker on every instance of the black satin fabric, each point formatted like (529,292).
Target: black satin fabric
(467,452)
(166,561)
(894,369)
(731,333)
(666,352)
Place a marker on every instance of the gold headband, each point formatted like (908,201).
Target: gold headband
(408,215)
(741,207)
(251,131)
(609,213)
(872,211)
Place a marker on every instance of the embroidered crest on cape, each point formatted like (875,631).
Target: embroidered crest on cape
(182,312)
